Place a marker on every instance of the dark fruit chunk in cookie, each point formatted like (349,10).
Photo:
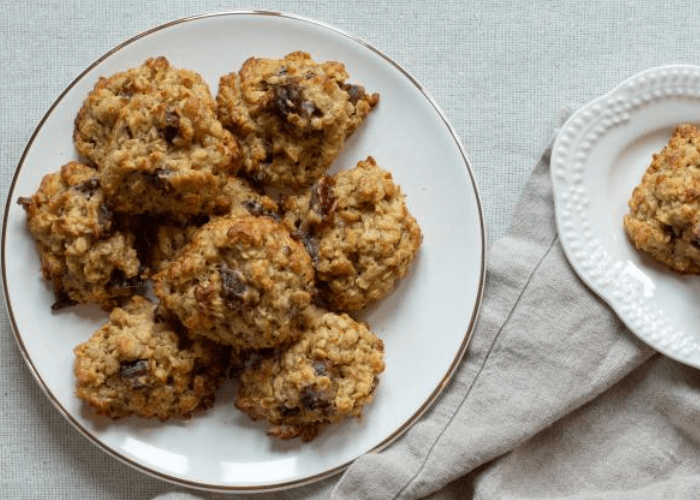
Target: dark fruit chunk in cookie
(233,288)
(132,372)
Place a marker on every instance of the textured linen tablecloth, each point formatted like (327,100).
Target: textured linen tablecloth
(555,398)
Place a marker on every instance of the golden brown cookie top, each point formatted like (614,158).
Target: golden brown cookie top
(328,375)
(101,108)
(168,153)
(291,115)
(358,229)
(241,281)
(137,364)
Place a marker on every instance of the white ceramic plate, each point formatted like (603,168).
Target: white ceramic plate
(598,158)
(426,323)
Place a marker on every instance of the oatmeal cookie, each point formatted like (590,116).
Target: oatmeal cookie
(100,110)
(291,115)
(83,250)
(138,364)
(328,375)
(664,216)
(358,230)
(241,281)
(168,153)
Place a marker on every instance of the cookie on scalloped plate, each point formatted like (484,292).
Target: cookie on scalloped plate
(664,210)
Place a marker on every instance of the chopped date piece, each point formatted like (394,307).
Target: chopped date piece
(256,208)
(157,181)
(62,300)
(313,401)
(233,290)
(120,281)
(322,200)
(253,207)
(172,127)
(355,92)
(287,411)
(287,99)
(308,241)
(130,372)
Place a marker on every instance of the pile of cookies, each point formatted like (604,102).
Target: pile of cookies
(168,223)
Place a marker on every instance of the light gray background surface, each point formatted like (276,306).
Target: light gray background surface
(499,70)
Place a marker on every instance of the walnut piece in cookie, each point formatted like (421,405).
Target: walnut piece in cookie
(328,375)
(241,281)
(358,229)
(292,116)
(101,108)
(139,364)
(664,210)
(83,251)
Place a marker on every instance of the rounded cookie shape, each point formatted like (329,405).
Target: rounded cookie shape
(138,364)
(241,281)
(664,210)
(83,251)
(168,153)
(100,110)
(358,229)
(328,375)
(292,116)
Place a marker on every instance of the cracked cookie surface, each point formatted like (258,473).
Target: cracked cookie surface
(328,375)
(83,251)
(138,364)
(664,209)
(241,281)
(292,116)
(358,229)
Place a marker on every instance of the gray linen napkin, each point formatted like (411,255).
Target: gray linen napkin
(555,398)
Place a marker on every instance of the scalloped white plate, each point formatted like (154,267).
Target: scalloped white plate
(599,156)
(426,324)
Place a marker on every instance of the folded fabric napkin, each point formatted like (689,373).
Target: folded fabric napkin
(556,398)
